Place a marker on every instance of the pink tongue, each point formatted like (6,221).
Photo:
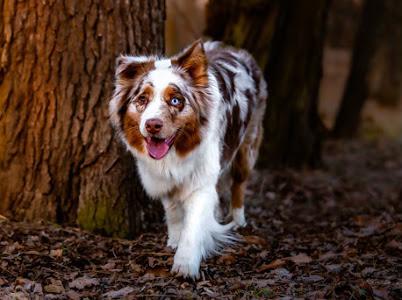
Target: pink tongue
(157,149)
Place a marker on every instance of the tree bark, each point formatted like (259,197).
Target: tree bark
(58,158)
(286,38)
(357,89)
(389,90)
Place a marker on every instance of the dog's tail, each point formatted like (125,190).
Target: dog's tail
(220,236)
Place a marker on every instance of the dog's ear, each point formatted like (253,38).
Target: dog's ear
(130,68)
(194,62)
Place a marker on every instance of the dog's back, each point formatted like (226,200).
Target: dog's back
(243,99)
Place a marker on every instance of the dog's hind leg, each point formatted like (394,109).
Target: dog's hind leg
(241,168)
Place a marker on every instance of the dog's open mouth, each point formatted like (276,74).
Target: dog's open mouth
(157,147)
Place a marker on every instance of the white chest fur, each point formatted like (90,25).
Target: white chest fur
(201,167)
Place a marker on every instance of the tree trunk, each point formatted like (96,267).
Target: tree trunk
(389,90)
(244,24)
(356,90)
(286,38)
(58,158)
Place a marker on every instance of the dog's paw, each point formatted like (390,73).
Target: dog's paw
(238,217)
(186,266)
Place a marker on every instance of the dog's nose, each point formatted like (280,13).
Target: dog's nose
(153,126)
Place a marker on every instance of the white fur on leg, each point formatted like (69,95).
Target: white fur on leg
(238,217)
(174,221)
(201,234)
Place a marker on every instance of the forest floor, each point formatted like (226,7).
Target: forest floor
(335,232)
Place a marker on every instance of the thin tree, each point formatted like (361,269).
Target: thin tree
(357,86)
(389,90)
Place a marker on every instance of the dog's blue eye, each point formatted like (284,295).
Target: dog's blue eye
(175,101)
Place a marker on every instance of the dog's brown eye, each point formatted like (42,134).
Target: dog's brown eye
(142,100)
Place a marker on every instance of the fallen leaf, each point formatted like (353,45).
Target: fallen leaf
(367,271)
(282,273)
(273,265)
(119,293)
(394,245)
(83,282)
(312,278)
(335,268)
(300,259)
(327,256)
(158,272)
(256,240)
(38,289)
(54,288)
(109,266)
(73,295)
(56,253)
(227,259)
(362,220)
(136,268)
(152,262)
(397,230)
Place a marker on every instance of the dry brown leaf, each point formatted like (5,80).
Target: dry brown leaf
(83,282)
(119,293)
(254,239)
(299,259)
(227,259)
(362,220)
(157,272)
(56,287)
(56,253)
(136,268)
(394,245)
(397,230)
(109,266)
(272,265)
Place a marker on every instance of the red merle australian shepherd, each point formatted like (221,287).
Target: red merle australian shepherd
(191,121)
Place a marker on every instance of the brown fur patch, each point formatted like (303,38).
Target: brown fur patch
(131,129)
(189,135)
(238,190)
(194,62)
(232,135)
(240,173)
(175,192)
(173,92)
(128,72)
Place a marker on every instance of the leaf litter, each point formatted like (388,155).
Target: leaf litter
(335,232)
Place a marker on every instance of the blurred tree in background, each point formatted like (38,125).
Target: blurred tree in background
(389,89)
(58,158)
(286,38)
(376,67)
(357,87)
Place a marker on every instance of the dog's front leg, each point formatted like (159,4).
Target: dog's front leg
(196,238)
(174,221)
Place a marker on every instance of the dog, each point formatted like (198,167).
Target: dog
(192,121)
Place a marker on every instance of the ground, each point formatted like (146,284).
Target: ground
(335,232)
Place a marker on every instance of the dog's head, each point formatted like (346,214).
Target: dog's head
(161,104)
